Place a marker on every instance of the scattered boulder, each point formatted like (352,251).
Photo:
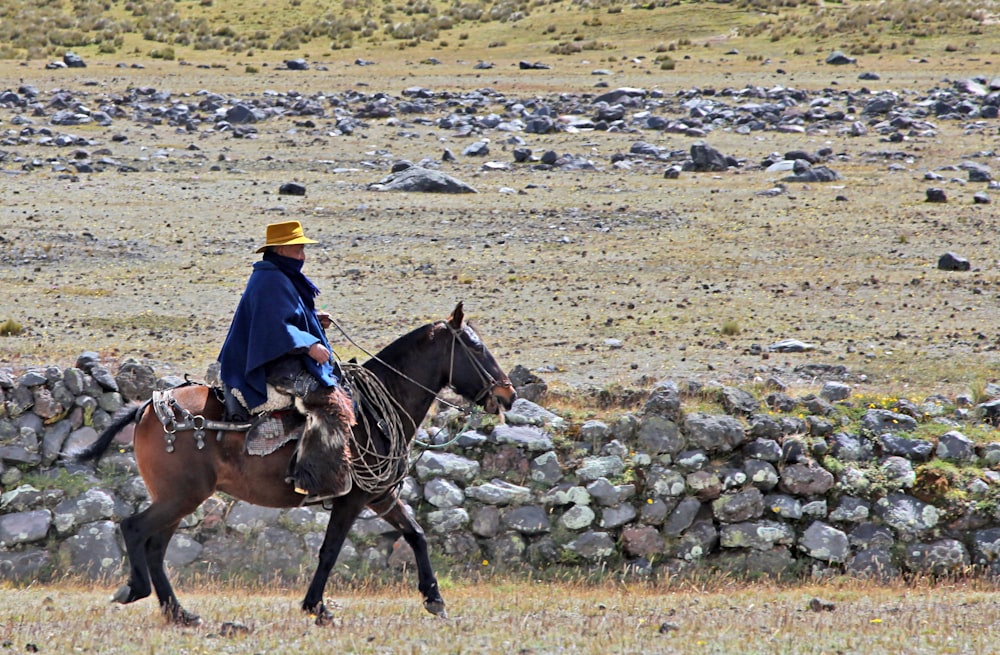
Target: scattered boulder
(419,179)
(949,261)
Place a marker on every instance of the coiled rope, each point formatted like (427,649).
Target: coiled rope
(373,471)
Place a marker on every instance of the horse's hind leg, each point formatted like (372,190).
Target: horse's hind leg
(414,535)
(157,549)
(147,535)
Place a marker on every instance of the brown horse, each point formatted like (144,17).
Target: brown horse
(413,369)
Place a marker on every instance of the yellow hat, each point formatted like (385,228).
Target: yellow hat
(285,234)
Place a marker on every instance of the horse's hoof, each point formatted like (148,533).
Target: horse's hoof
(182,617)
(323,615)
(123,595)
(436,607)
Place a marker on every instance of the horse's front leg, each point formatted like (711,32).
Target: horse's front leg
(345,510)
(414,535)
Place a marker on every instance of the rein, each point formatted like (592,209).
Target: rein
(484,375)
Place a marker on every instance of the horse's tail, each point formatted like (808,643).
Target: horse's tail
(123,418)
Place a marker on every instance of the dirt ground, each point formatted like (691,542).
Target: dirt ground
(595,279)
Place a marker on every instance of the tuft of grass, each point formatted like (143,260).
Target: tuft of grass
(10,328)
(730,328)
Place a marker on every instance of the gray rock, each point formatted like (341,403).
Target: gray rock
(985,547)
(592,546)
(25,565)
(182,550)
(433,464)
(245,518)
(655,510)
(566,494)
(76,441)
(506,549)
(546,469)
(873,563)
(642,541)
(499,492)
(761,475)
(783,506)
(765,429)
(21,499)
(738,402)
(443,493)
(758,535)
(807,479)
(94,551)
(879,421)
(898,472)
(851,510)
(90,506)
(824,542)
(954,446)
(849,448)
(838,58)
(682,517)
(911,518)
(790,346)
(739,507)
(714,433)
(941,557)
(278,553)
(104,378)
(443,521)
(918,450)
(135,381)
(528,437)
(525,412)
(592,468)
(24,527)
(53,439)
(835,391)
(871,535)
(596,431)
(486,521)
(617,516)
(697,542)
(658,435)
(706,158)
(937,194)
(577,517)
(605,493)
(705,485)
(419,179)
(664,401)
(662,482)
(767,450)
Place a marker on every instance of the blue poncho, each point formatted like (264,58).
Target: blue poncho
(272,319)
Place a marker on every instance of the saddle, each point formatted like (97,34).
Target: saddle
(320,467)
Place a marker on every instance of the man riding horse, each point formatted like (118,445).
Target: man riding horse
(277,343)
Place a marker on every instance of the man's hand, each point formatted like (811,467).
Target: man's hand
(325,320)
(319,352)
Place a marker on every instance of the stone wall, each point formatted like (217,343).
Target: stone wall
(831,483)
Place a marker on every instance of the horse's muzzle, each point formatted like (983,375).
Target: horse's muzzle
(500,397)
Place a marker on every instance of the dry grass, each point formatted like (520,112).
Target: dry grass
(519,617)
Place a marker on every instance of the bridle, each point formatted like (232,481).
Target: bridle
(491,385)
(488,395)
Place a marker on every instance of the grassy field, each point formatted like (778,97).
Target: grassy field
(524,618)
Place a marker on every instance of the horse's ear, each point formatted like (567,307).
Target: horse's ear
(457,316)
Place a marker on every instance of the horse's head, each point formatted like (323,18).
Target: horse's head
(474,373)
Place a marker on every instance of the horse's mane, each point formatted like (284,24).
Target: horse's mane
(399,349)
